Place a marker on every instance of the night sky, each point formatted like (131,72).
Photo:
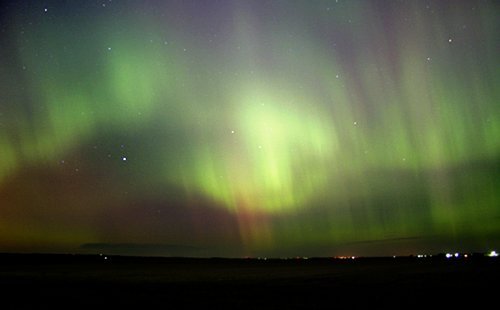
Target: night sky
(249,128)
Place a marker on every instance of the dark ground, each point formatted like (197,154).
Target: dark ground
(68,281)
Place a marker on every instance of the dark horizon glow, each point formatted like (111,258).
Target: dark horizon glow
(250,128)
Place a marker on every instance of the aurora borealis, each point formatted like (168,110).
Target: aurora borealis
(246,128)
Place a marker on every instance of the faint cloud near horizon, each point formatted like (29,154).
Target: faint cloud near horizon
(143,249)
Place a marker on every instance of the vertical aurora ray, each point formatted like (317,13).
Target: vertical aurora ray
(301,126)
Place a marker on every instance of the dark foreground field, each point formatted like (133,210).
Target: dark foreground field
(66,281)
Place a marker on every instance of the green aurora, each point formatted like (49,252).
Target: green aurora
(251,128)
